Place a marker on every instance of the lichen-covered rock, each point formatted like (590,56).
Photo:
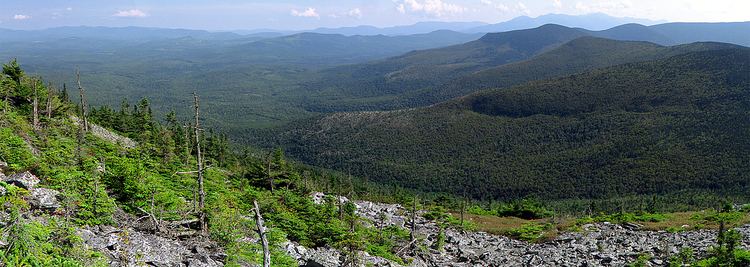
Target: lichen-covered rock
(43,198)
(127,247)
(24,180)
(321,257)
(107,135)
(601,244)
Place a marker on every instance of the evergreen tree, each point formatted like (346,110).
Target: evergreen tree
(13,70)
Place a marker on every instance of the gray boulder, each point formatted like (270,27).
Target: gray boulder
(3,166)
(24,180)
(322,257)
(43,198)
(127,247)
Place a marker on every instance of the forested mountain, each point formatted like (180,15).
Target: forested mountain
(327,49)
(594,21)
(579,55)
(263,80)
(420,69)
(605,26)
(426,77)
(727,32)
(246,79)
(667,125)
(634,32)
(417,28)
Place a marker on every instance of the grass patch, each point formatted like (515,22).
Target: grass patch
(539,230)
(498,225)
(693,220)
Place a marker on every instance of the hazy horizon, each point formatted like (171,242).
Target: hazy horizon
(293,15)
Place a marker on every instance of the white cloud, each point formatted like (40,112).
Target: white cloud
(69,8)
(357,13)
(609,7)
(557,3)
(499,6)
(132,13)
(401,9)
(522,8)
(436,8)
(308,13)
(21,17)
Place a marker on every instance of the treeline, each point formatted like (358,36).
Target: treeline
(169,138)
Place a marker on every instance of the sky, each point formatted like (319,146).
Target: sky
(309,14)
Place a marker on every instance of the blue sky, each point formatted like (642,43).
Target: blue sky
(307,14)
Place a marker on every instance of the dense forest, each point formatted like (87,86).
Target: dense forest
(665,126)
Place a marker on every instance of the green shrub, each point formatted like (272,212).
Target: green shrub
(531,231)
(685,257)
(14,151)
(478,210)
(719,217)
(642,261)
(525,209)
(623,218)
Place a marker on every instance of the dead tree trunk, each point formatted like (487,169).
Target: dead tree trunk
(50,94)
(187,143)
(82,93)
(463,207)
(262,233)
(201,192)
(341,206)
(35,105)
(413,220)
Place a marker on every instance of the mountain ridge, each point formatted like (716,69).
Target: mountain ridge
(581,133)
(398,82)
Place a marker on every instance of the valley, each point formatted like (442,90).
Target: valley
(555,140)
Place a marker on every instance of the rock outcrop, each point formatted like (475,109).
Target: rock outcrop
(124,245)
(601,244)
(128,247)
(107,135)
(24,180)
(43,198)
(40,198)
(2,178)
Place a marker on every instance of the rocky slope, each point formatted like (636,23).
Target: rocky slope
(602,244)
(127,243)
(130,243)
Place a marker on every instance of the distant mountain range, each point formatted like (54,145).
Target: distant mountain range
(594,21)
(111,33)
(420,78)
(305,71)
(321,49)
(421,27)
